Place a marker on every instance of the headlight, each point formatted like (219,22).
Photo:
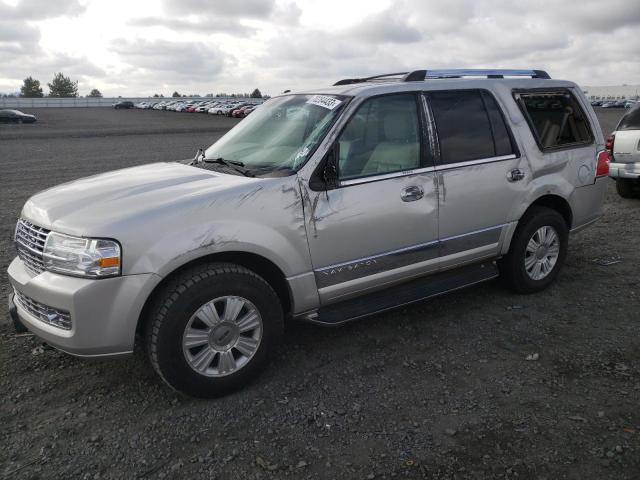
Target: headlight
(82,257)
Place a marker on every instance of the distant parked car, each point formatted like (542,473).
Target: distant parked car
(240,112)
(222,109)
(203,108)
(16,116)
(596,103)
(232,112)
(124,104)
(630,104)
(613,104)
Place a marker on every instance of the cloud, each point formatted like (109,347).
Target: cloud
(202,25)
(17,39)
(31,10)
(222,17)
(235,45)
(389,26)
(194,60)
(221,8)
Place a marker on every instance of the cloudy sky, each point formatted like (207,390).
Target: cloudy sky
(140,47)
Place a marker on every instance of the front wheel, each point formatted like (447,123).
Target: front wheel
(212,328)
(537,253)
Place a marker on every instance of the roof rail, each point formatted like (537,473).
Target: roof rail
(349,81)
(420,75)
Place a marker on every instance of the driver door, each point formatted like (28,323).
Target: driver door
(380,225)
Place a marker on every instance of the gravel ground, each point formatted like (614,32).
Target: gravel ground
(481,383)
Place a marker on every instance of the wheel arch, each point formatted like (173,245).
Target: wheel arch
(549,200)
(554,202)
(258,264)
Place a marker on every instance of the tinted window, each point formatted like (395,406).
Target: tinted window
(501,138)
(382,137)
(555,118)
(463,126)
(631,121)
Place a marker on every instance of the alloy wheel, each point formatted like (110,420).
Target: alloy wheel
(222,336)
(542,253)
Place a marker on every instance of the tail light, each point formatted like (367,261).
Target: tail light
(609,143)
(602,166)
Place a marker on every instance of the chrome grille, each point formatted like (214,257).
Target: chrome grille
(44,313)
(30,240)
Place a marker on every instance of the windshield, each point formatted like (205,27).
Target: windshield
(280,134)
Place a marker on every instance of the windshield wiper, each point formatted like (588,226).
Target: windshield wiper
(232,164)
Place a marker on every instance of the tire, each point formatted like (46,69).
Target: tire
(513,271)
(20,121)
(625,187)
(184,305)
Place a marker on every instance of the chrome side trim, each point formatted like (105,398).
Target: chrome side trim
(480,161)
(467,241)
(417,171)
(362,267)
(365,266)
(386,176)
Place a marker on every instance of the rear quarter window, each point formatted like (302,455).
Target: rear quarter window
(555,118)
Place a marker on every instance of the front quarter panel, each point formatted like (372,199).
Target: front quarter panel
(264,218)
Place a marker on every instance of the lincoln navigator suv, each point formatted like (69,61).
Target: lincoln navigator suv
(326,205)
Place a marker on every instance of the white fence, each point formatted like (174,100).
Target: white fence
(18,102)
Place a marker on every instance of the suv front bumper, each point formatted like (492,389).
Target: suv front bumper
(104,313)
(624,170)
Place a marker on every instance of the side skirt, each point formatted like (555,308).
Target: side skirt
(404,294)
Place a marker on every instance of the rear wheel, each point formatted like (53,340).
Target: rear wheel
(538,250)
(20,121)
(627,188)
(212,328)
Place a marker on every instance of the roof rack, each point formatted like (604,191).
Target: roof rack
(422,75)
(349,81)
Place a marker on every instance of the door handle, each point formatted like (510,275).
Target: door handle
(515,175)
(411,194)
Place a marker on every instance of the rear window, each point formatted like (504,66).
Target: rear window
(631,121)
(470,126)
(555,118)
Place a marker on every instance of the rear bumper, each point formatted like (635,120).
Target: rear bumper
(624,170)
(104,313)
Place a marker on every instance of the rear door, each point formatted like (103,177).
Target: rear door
(479,171)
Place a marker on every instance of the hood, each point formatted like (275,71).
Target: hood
(98,205)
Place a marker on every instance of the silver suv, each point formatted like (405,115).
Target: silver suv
(624,144)
(324,206)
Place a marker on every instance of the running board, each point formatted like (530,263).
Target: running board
(404,294)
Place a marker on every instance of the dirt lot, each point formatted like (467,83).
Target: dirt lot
(439,390)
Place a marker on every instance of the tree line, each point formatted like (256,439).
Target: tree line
(62,86)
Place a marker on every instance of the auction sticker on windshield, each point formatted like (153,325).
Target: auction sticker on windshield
(324,101)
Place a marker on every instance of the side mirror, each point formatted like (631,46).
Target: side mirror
(199,157)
